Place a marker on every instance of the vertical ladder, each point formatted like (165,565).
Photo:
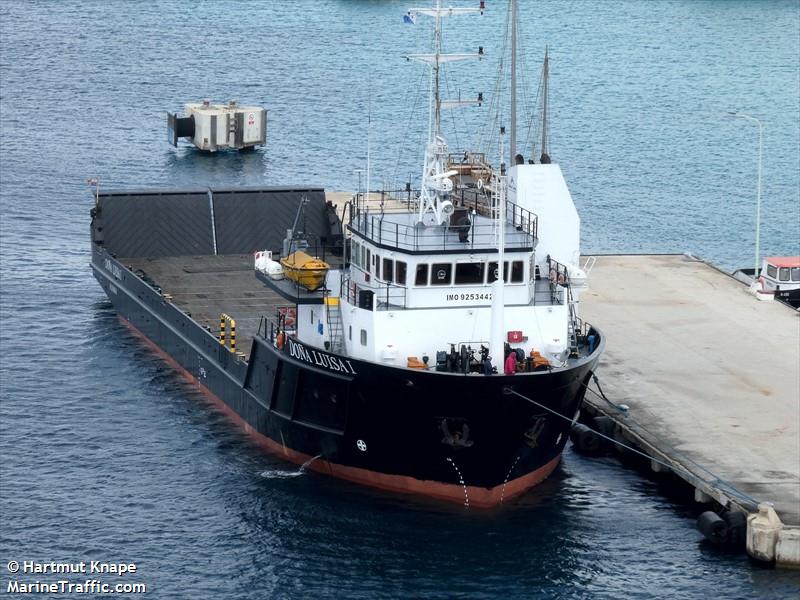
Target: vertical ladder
(572,329)
(335,328)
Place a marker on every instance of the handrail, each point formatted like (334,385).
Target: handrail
(522,219)
(558,276)
(376,228)
(386,296)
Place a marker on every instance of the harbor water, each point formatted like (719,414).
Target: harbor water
(106,454)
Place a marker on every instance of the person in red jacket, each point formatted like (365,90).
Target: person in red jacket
(511,363)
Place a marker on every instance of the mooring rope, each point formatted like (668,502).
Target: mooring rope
(713,478)
(716,480)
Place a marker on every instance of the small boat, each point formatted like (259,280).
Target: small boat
(304,269)
(777,279)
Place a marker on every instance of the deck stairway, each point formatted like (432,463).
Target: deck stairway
(335,328)
(572,330)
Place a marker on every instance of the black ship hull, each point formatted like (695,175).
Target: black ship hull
(472,439)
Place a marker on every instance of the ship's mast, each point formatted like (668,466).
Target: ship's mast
(437,49)
(436,183)
(545,159)
(496,342)
(513,144)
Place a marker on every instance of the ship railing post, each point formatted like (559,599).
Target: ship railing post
(222,329)
(233,335)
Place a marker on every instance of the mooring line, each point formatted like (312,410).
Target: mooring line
(620,407)
(715,480)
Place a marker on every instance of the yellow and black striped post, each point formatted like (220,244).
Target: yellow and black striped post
(229,324)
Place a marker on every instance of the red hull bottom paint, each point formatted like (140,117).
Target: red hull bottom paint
(468,495)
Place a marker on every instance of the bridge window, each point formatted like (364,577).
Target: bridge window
(365,259)
(469,273)
(400,272)
(422,275)
(492,273)
(377,265)
(795,273)
(388,271)
(441,273)
(363,337)
(772,271)
(784,274)
(517,271)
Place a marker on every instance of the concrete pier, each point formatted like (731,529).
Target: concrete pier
(712,379)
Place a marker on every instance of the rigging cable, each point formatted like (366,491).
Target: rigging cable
(492,125)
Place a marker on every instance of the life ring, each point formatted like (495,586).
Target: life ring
(280,339)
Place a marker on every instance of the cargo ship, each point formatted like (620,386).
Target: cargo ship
(443,354)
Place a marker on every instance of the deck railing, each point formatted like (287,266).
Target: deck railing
(382,296)
(455,236)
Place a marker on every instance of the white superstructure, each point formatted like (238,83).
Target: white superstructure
(425,280)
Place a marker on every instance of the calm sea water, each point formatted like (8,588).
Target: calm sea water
(106,455)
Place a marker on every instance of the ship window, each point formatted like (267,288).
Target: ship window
(354,248)
(517,271)
(366,258)
(363,337)
(422,275)
(491,275)
(312,317)
(400,272)
(350,333)
(377,266)
(784,274)
(388,271)
(772,271)
(795,273)
(467,273)
(441,273)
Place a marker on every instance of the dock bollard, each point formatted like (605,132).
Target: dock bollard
(763,528)
(222,328)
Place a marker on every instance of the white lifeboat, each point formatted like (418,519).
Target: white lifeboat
(265,264)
